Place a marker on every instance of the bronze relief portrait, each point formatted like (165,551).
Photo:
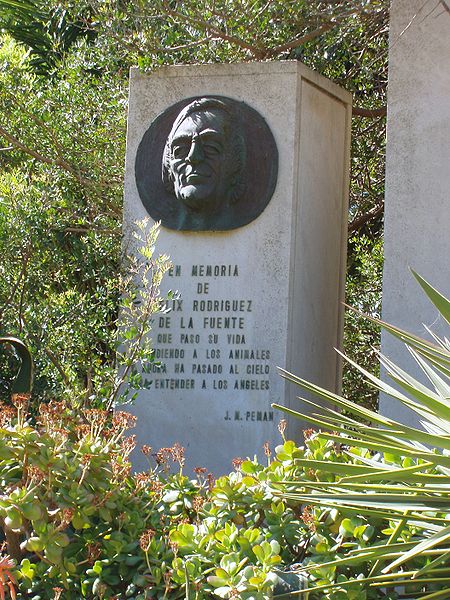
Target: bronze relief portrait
(207,164)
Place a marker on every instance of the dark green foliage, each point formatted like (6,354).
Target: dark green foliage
(60,197)
(364,272)
(46,29)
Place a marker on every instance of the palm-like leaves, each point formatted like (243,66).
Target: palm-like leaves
(46,31)
(407,480)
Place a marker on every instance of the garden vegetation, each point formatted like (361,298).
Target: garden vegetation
(359,511)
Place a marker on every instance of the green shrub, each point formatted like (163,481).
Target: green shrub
(66,498)
(78,524)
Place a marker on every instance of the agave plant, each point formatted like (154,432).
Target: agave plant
(405,480)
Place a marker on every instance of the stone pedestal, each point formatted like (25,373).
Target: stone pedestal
(261,295)
(417,217)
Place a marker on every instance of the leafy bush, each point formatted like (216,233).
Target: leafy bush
(60,212)
(78,524)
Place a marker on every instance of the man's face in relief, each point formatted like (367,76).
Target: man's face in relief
(199,161)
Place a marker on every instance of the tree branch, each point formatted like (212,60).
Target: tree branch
(208,27)
(186,46)
(303,40)
(326,26)
(360,221)
(369,112)
(21,146)
(58,162)
(57,365)
(25,259)
(259,13)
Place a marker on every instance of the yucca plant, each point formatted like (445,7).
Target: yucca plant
(404,480)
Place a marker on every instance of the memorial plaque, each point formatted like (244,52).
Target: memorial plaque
(246,166)
(206,163)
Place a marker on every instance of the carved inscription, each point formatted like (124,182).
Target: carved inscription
(205,342)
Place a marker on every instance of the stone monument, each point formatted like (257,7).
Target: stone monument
(417,214)
(246,166)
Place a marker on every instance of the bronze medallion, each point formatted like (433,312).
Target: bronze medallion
(207,164)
